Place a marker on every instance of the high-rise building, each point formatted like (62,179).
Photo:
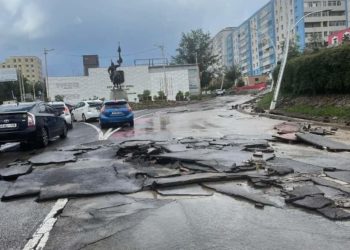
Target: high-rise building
(257,44)
(90,61)
(222,47)
(29,66)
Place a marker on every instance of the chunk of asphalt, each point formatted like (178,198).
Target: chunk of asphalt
(102,153)
(288,127)
(313,202)
(298,166)
(228,159)
(339,175)
(90,221)
(301,192)
(80,147)
(279,170)
(192,179)
(157,172)
(3,187)
(188,190)
(322,142)
(53,157)
(92,181)
(71,182)
(332,184)
(200,168)
(15,171)
(334,213)
(240,192)
(172,148)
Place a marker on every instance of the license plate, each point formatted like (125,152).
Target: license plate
(9,125)
(117,113)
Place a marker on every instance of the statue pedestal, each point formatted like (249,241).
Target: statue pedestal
(118,94)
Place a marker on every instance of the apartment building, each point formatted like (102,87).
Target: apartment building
(222,47)
(29,66)
(258,43)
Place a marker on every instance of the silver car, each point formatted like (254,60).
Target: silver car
(62,107)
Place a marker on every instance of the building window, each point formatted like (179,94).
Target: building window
(31,59)
(26,59)
(14,60)
(19,60)
(33,76)
(32,66)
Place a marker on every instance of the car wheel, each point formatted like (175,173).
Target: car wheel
(42,138)
(65,131)
(73,119)
(83,117)
(132,123)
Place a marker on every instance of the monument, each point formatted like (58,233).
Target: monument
(117,78)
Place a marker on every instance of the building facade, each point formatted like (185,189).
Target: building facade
(258,43)
(222,47)
(29,66)
(90,61)
(169,79)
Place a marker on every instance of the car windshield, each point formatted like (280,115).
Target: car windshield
(94,104)
(116,105)
(16,108)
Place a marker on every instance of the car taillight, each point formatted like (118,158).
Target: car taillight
(66,111)
(31,120)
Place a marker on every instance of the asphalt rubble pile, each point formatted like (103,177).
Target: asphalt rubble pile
(294,132)
(243,168)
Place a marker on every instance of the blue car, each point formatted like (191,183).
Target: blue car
(116,113)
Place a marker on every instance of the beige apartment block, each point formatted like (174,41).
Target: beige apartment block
(29,66)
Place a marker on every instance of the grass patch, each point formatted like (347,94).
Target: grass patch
(330,111)
(265,102)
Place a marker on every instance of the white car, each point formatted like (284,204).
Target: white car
(62,107)
(87,110)
(220,92)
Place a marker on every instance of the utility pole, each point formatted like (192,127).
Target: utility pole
(47,75)
(162,49)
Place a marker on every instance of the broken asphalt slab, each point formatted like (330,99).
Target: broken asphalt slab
(313,202)
(86,222)
(195,178)
(301,192)
(238,191)
(15,170)
(340,175)
(66,182)
(322,142)
(334,213)
(53,157)
(331,184)
(187,190)
(297,166)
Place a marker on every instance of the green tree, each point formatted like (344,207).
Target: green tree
(161,95)
(232,74)
(146,96)
(59,98)
(180,96)
(195,46)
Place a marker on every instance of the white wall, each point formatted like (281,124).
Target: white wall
(137,79)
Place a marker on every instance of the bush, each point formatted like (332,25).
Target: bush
(324,72)
(180,96)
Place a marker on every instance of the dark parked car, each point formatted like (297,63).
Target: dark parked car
(30,123)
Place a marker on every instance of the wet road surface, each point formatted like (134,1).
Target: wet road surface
(194,217)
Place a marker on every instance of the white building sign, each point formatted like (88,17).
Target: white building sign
(8,75)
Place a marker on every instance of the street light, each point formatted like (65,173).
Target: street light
(47,76)
(284,61)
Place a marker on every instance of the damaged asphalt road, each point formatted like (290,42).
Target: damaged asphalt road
(195,187)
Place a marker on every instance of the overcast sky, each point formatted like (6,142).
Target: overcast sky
(77,27)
